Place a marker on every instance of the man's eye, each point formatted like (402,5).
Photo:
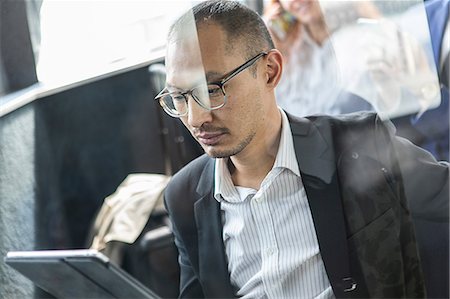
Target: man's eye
(178,97)
(213,91)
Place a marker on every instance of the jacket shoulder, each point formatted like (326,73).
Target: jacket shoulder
(356,128)
(355,120)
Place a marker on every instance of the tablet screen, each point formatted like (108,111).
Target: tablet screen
(77,274)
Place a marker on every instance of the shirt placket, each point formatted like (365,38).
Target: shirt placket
(261,209)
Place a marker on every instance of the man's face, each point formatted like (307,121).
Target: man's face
(231,129)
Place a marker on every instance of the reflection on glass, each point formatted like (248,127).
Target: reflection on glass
(383,57)
(378,50)
(86,38)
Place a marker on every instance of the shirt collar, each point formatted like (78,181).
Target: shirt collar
(224,187)
(286,157)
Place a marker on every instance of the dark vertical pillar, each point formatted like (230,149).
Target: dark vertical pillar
(17,69)
(17,196)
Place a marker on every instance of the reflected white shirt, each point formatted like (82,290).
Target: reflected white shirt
(269,236)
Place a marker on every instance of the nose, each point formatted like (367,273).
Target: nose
(197,115)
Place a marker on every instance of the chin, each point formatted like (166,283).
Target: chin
(219,154)
(215,152)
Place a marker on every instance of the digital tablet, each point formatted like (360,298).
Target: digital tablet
(80,273)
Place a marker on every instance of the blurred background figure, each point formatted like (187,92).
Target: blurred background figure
(311,78)
(347,56)
(430,130)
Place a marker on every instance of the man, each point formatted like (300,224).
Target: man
(431,129)
(284,207)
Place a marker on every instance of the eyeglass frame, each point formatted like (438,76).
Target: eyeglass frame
(220,83)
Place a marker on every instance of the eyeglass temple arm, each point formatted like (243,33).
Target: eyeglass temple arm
(242,67)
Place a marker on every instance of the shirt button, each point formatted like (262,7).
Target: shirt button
(270,251)
(258,199)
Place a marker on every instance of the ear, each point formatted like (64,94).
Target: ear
(274,68)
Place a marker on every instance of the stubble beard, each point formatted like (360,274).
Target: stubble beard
(233,151)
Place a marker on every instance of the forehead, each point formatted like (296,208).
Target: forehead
(201,54)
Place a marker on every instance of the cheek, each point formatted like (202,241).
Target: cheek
(239,105)
(244,104)
(245,108)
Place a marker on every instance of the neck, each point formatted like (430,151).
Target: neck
(250,167)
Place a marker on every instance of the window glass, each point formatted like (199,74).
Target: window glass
(379,51)
(384,54)
(81,39)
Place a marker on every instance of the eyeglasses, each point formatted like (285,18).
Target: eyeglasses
(209,96)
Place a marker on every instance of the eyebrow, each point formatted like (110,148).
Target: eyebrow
(210,78)
(213,76)
(168,85)
(173,88)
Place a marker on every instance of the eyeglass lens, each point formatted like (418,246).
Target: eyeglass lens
(207,96)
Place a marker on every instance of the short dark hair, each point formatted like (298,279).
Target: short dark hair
(239,22)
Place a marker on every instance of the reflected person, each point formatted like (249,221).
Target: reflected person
(312,82)
(280,206)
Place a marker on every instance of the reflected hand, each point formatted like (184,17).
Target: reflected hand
(284,38)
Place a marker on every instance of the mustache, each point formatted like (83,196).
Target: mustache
(206,128)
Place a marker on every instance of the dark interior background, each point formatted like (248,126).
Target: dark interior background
(64,153)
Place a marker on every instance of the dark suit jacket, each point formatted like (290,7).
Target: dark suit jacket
(353,182)
(431,130)
(437,15)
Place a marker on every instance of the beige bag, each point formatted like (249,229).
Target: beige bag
(125,213)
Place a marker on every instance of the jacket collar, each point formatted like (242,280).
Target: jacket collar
(213,269)
(314,154)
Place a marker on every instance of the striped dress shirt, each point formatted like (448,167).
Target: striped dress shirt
(270,241)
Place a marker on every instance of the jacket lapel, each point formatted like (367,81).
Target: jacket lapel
(213,268)
(315,156)
(437,15)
